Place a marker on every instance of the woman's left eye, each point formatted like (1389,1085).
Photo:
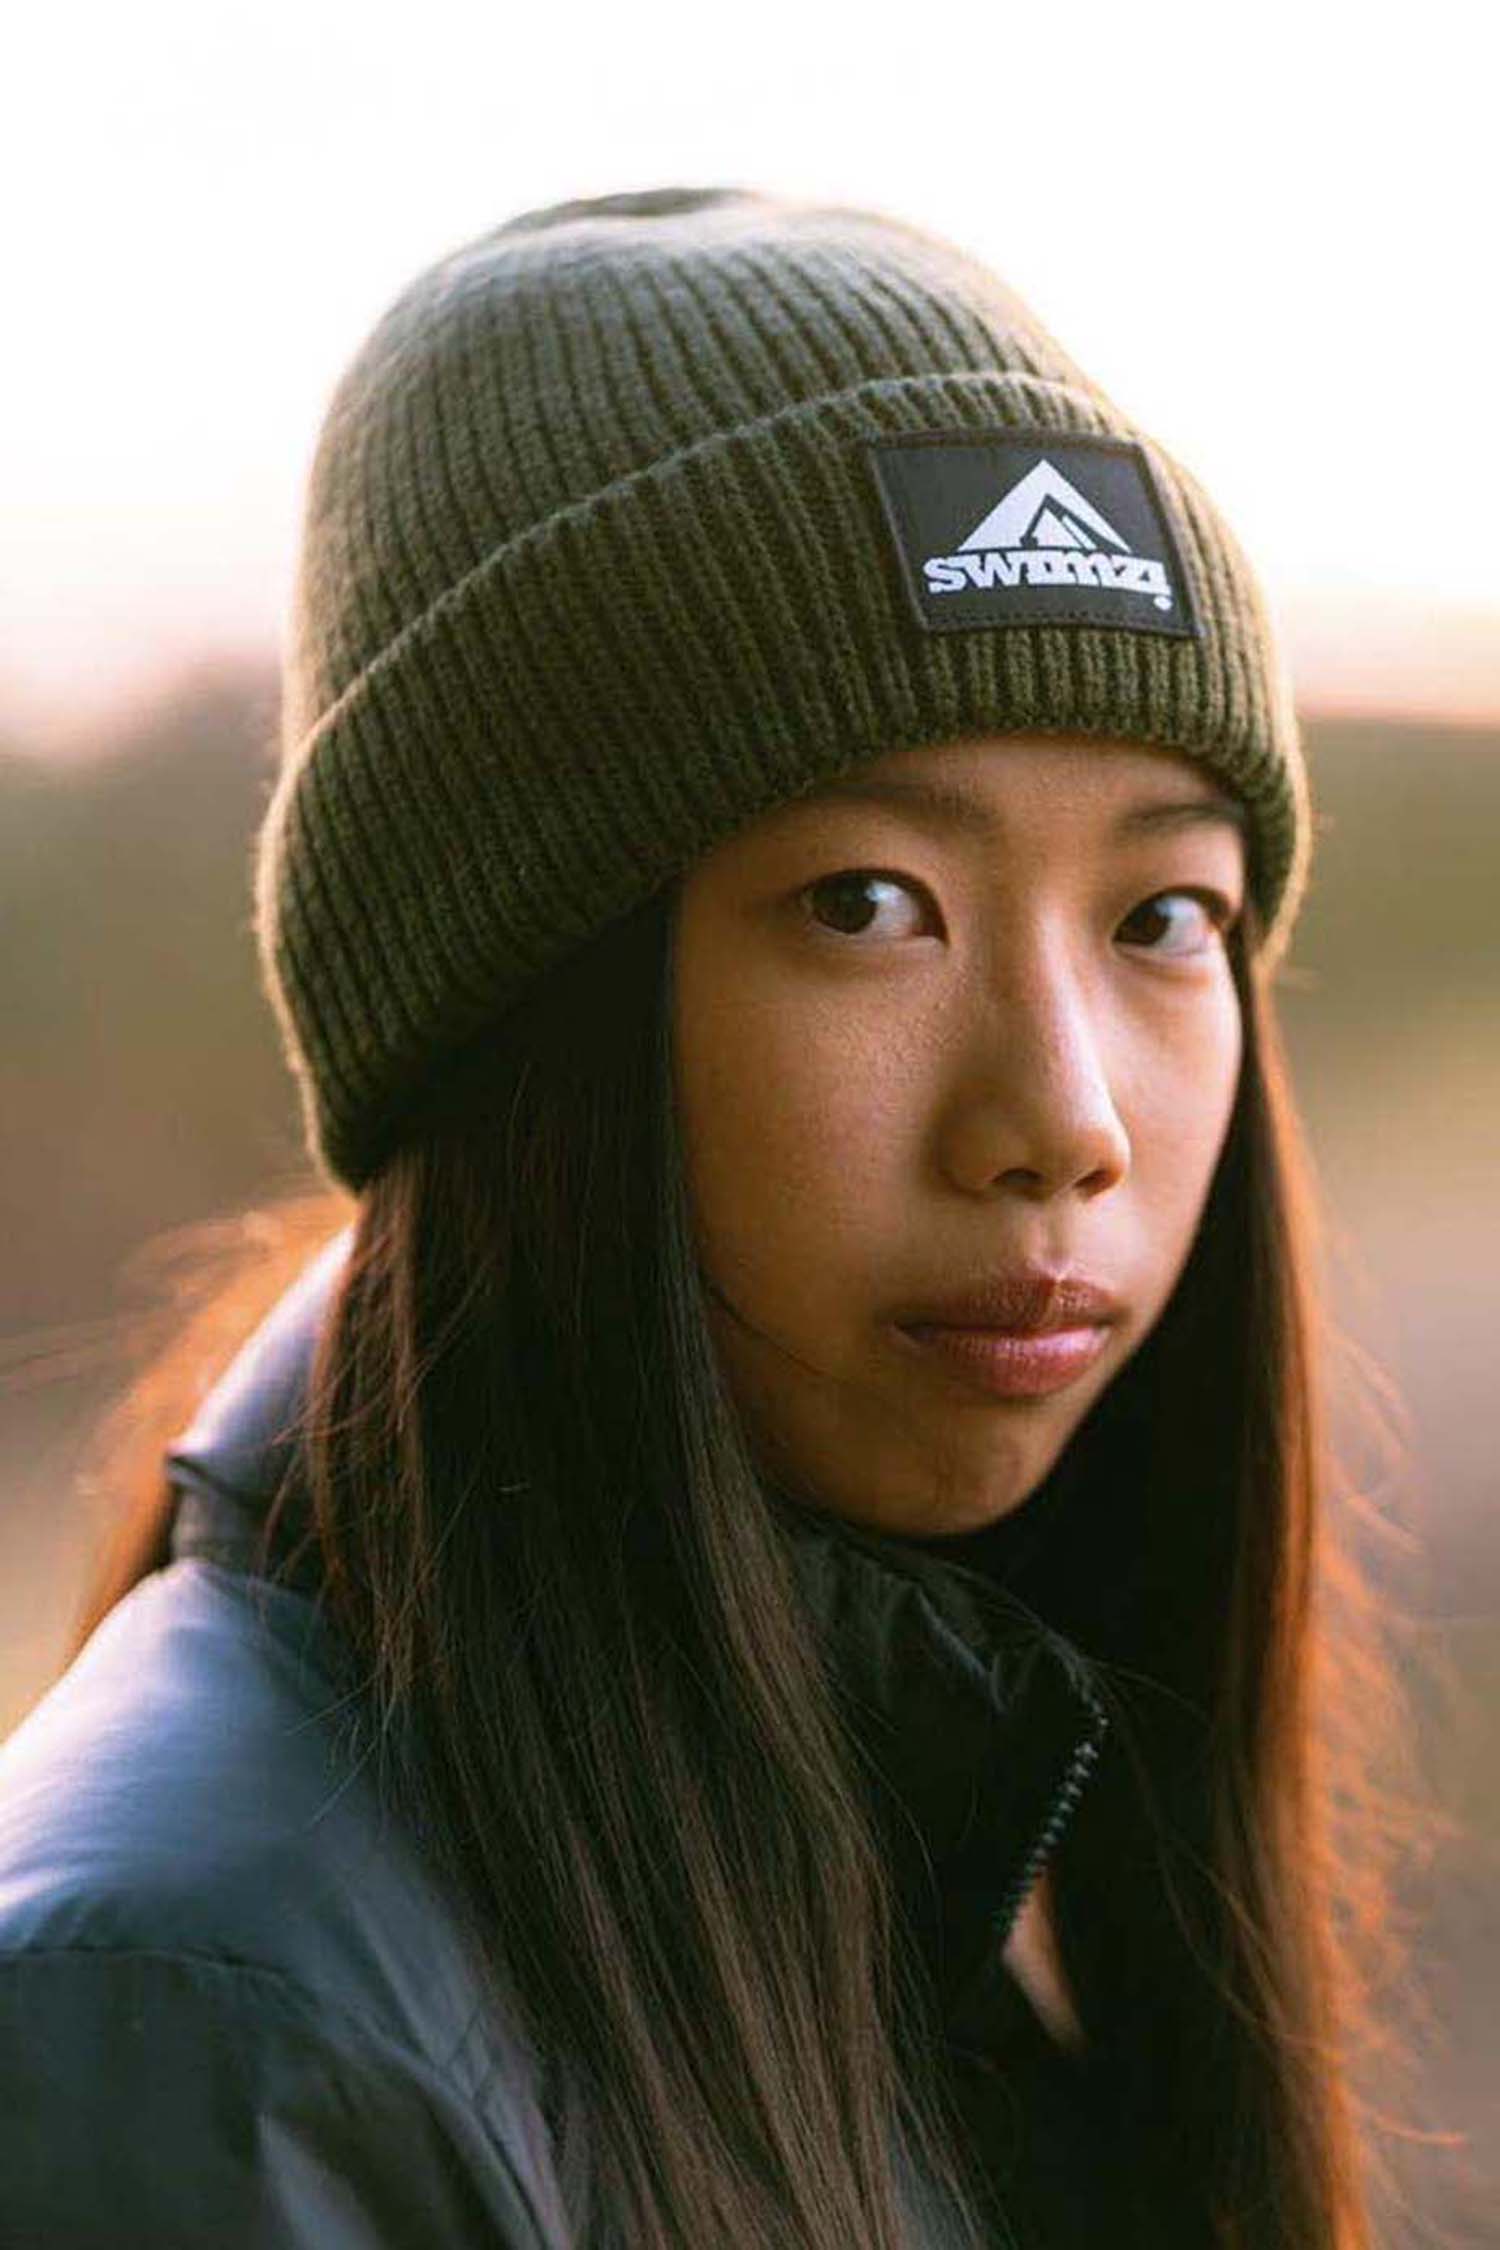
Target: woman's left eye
(1212,906)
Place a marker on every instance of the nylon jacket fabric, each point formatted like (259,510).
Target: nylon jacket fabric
(235,2007)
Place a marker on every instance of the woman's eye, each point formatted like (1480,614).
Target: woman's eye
(842,902)
(1211,906)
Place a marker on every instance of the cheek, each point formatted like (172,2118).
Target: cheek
(793,1131)
(1179,1116)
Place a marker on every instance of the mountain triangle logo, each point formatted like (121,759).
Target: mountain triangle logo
(1029,526)
(1045,529)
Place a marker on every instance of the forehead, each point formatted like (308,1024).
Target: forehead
(1120,789)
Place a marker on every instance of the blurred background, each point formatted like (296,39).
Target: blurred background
(1269,236)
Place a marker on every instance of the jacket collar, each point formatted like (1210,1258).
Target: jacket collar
(977,1724)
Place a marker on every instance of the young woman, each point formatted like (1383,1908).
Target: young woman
(755,1651)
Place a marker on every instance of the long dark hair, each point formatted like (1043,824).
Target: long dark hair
(538,1524)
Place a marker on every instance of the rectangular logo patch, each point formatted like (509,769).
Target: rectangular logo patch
(1032,527)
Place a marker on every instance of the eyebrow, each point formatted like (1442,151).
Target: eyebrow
(955,808)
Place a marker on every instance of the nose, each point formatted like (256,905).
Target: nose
(1032,1108)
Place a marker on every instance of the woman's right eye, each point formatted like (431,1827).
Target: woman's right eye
(845,897)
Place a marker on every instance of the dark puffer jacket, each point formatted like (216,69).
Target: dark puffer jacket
(233,2006)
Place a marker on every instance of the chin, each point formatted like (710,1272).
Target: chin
(991,1504)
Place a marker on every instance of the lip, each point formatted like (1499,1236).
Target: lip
(1023,1300)
(1006,1364)
(1018,1332)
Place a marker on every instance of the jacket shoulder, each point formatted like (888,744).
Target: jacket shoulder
(193,1850)
(187,1782)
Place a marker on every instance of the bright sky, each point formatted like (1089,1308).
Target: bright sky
(1269,231)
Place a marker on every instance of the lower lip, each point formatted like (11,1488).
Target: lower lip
(1009,1365)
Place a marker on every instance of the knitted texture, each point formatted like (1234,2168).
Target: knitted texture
(594,569)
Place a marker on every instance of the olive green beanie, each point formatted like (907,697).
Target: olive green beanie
(644,512)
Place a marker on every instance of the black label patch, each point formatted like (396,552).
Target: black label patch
(1032,527)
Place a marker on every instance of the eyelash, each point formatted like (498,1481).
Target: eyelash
(1221,912)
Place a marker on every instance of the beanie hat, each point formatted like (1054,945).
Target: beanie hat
(646,511)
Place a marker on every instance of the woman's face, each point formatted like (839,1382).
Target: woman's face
(921,1043)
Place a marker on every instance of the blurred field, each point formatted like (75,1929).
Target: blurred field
(141,1089)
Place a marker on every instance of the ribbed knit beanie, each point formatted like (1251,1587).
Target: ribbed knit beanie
(647,511)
